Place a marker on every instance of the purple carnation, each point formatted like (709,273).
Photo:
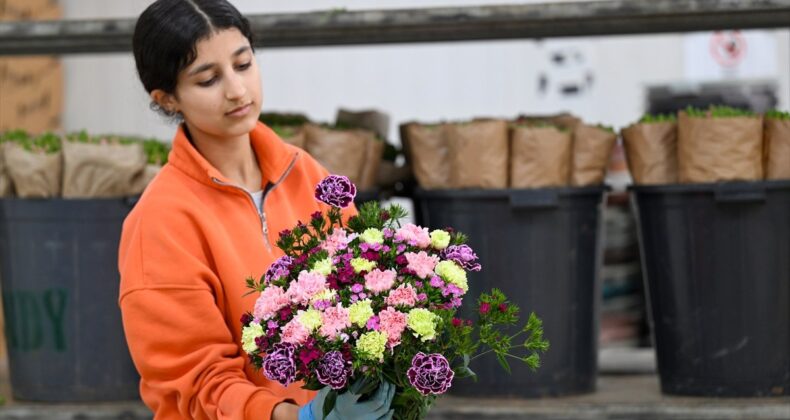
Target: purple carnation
(336,190)
(463,255)
(430,373)
(279,365)
(333,370)
(279,268)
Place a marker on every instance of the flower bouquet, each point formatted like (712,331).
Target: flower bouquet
(348,307)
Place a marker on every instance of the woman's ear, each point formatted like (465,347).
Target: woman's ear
(165,101)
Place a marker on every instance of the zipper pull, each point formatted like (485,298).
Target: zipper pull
(265,228)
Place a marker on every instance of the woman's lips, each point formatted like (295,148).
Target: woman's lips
(240,111)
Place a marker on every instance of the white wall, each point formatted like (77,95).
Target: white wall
(409,81)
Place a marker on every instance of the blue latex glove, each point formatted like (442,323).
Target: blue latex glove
(347,406)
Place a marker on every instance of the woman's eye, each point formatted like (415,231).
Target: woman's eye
(208,82)
(245,66)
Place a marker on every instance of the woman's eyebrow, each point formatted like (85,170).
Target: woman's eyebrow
(207,66)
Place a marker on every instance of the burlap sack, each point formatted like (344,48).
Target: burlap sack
(651,150)
(34,175)
(479,154)
(539,157)
(591,149)
(375,121)
(374,150)
(342,152)
(719,149)
(426,150)
(101,170)
(5,180)
(777,148)
(144,178)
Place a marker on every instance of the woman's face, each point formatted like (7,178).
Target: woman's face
(219,94)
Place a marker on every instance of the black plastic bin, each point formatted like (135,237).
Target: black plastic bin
(543,248)
(60,297)
(717,268)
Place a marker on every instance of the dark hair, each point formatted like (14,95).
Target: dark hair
(167,32)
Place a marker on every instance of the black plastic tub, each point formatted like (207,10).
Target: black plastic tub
(60,286)
(543,248)
(717,271)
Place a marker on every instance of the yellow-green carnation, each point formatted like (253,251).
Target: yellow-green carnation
(323,267)
(362,264)
(440,239)
(372,345)
(451,272)
(248,336)
(423,323)
(372,236)
(310,319)
(359,312)
(326,294)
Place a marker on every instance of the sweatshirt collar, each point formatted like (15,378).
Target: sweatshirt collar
(274,157)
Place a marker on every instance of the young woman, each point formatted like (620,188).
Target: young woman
(208,221)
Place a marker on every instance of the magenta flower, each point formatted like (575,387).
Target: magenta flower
(463,255)
(336,191)
(333,370)
(279,268)
(279,365)
(430,373)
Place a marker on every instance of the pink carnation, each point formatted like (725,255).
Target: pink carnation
(421,263)
(306,286)
(393,323)
(403,295)
(333,321)
(378,281)
(414,235)
(294,332)
(271,300)
(335,242)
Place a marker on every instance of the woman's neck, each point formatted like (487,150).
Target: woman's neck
(234,157)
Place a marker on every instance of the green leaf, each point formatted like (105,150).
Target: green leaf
(503,362)
(329,402)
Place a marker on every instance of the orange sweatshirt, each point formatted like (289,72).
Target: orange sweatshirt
(186,249)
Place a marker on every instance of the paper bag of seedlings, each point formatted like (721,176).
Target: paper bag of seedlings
(34,165)
(562,120)
(720,144)
(375,121)
(540,156)
(6,186)
(592,146)
(156,153)
(651,148)
(374,150)
(101,167)
(425,147)
(341,152)
(776,151)
(292,135)
(478,153)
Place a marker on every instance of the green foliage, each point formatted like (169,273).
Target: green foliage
(285,130)
(658,118)
(156,151)
(776,114)
(283,119)
(718,111)
(371,215)
(606,128)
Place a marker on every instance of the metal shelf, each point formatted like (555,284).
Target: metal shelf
(341,27)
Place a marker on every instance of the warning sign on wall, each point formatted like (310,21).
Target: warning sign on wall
(724,55)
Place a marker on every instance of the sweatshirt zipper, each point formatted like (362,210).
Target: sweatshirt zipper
(261,211)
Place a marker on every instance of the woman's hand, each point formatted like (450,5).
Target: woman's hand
(347,405)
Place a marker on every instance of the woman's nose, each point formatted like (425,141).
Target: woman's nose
(235,87)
